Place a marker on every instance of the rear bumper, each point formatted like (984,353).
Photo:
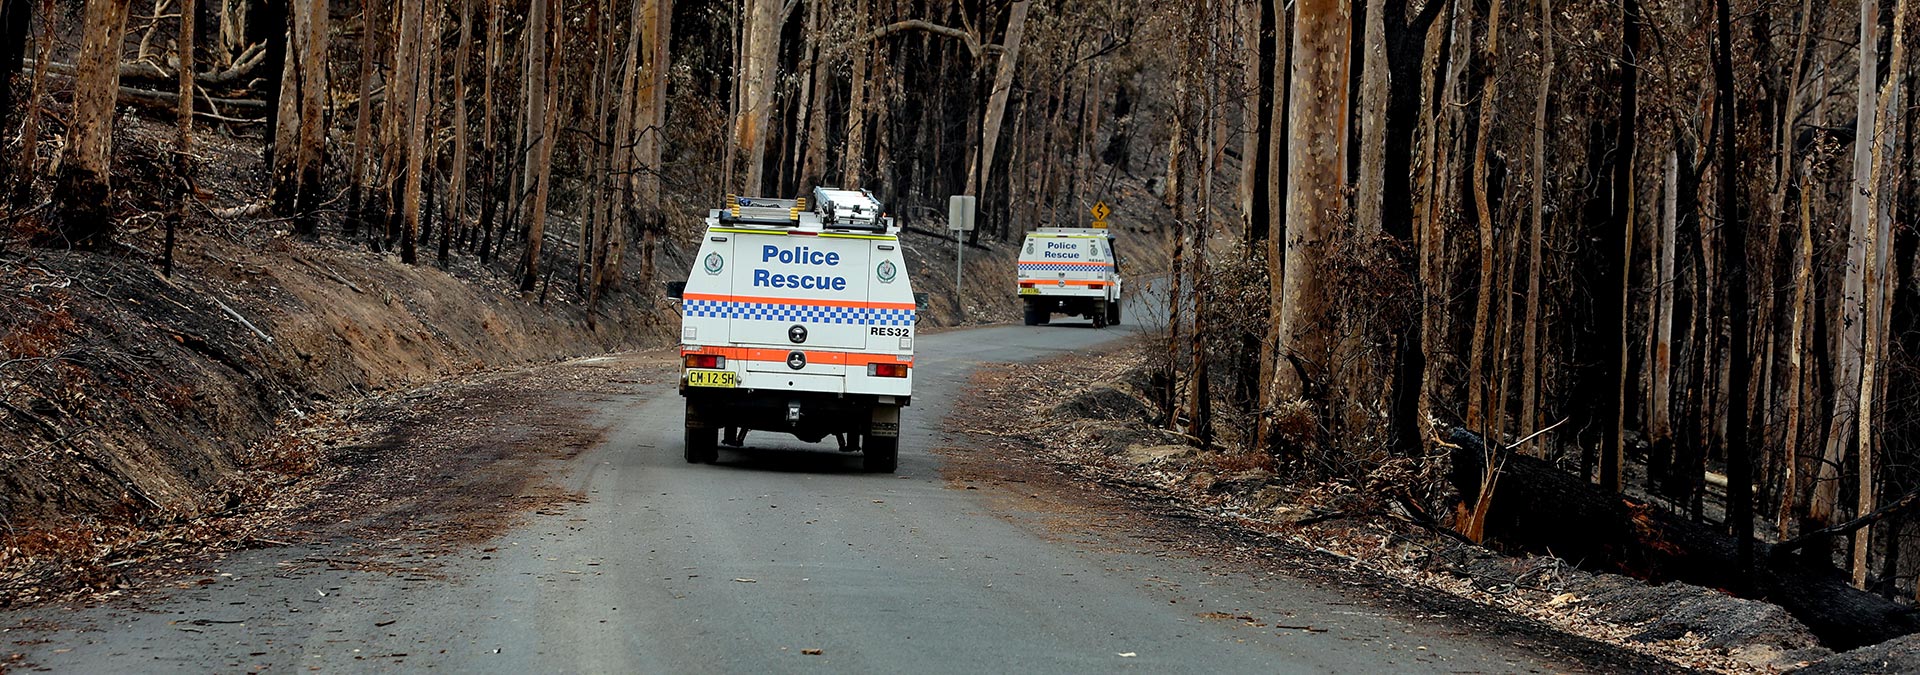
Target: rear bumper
(831,373)
(1067,292)
(808,415)
(1066,304)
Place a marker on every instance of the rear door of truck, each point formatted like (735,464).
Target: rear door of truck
(1062,264)
(799,292)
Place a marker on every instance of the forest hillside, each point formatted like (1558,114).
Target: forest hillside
(1635,283)
(353,198)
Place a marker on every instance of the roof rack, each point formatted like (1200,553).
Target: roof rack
(832,209)
(1100,231)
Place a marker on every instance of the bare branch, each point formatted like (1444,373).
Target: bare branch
(973,44)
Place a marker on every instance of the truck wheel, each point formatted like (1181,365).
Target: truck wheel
(882,454)
(703,446)
(1113,314)
(1099,315)
(702,441)
(1034,316)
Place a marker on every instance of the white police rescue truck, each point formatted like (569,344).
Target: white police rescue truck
(1070,270)
(798,318)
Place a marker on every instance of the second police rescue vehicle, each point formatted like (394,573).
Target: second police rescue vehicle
(798,318)
(1070,270)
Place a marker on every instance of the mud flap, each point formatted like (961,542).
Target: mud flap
(695,418)
(886,422)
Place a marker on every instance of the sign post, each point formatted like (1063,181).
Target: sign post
(960,215)
(1100,212)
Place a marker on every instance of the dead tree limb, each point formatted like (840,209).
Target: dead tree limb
(973,44)
(1897,506)
(328,271)
(243,320)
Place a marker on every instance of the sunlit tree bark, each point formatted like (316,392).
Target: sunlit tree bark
(82,191)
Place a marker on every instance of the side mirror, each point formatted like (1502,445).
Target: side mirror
(677,290)
(920,299)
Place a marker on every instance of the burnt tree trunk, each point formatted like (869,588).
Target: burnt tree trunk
(1738,452)
(27,163)
(14,17)
(81,195)
(1610,311)
(183,139)
(268,22)
(1406,46)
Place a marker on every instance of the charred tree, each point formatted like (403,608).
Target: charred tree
(1610,311)
(300,135)
(542,36)
(269,23)
(82,195)
(15,16)
(1739,453)
(456,208)
(183,137)
(421,45)
(362,127)
(26,167)
(492,182)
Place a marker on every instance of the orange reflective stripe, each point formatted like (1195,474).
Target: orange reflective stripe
(805,302)
(866,359)
(780,356)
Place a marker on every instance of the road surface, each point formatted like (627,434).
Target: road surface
(753,564)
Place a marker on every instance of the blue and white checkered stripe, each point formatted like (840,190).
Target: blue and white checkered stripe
(1054,267)
(765,311)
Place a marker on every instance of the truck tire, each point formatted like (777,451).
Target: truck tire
(1099,315)
(881,454)
(1034,315)
(1113,313)
(702,441)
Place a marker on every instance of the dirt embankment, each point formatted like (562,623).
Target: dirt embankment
(125,396)
(985,292)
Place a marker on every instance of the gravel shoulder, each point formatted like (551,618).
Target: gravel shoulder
(1091,457)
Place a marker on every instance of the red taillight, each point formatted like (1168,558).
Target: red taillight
(706,361)
(886,370)
(1096,286)
(1026,284)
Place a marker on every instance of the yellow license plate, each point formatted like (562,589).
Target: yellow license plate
(1029,291)
(713,378)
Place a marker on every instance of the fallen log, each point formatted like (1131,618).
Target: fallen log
(167,102)
(170,100)
(1539,508)
(149,71)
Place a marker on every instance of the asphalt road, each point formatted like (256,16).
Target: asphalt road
(750,564)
